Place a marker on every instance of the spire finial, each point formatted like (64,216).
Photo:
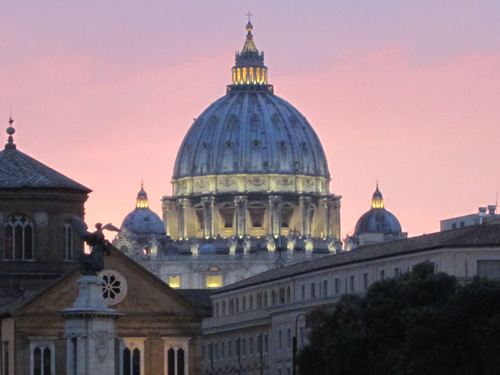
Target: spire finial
(10,131)
(249,15)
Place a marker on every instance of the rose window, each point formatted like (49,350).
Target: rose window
(114,286)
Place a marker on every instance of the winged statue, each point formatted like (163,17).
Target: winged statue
(92,263)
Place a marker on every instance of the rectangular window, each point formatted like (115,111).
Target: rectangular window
(280,343)
(382,274)
(365,281)
(68,242)
(313,290)
(396,272)
(222,350)
(174,281)
(216,351)
(303,291)
(259,344)
(351,282)
(243,347)
(214,281)
(250,345)
(266,343)
(325,288)
(288,338)
(229,349)
(336,283)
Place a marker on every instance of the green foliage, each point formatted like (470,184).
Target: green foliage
(421,323)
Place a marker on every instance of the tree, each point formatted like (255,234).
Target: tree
(420,323)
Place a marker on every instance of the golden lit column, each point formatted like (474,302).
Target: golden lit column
(275,202)
(168,204)
(306,204)
(182,204)
(335,217)
(208,214)
(327,205)
(240,204)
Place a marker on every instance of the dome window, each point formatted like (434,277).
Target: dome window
(227,215)
(257,215)
(256,143)
(286,215)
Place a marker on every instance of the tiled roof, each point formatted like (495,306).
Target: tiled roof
(18,170)
(198,297)
(474,236)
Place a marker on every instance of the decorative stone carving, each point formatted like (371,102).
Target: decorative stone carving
(227,181)
(256,181)
(41,218)
(286,181)
(101,339)
(114,286)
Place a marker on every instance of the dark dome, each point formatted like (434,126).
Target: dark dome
(207,249)
(142,220)
(378,220)
(251,132)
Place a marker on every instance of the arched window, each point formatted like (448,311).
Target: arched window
(286,215)
(223,307)
(257,215)
(18,238)
(199,216)
(227,215)
(244,304)
(288,294)
(250,302)
(265,299)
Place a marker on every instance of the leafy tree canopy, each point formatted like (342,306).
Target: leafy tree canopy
(422,323)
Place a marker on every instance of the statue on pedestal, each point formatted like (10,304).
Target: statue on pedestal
(93,263)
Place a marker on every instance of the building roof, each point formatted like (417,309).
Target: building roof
(476,236)
(18,170)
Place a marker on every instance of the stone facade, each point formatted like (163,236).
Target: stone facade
(157,327)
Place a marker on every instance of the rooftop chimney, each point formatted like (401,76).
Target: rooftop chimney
(491,209)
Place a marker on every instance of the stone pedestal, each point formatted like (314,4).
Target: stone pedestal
(90,331)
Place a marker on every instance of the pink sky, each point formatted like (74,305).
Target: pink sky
(104,92)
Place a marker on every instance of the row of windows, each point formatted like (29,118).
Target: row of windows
(19,239)
(237,348)
(315,289)
(256,212)
(321,289)
(263,299)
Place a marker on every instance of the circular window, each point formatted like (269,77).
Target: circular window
(114,286)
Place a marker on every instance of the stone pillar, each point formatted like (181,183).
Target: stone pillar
(275,215)
(327,205)
(306,202)
(90,331)
(240,205)
(167,205)
(181,215)
(208,216)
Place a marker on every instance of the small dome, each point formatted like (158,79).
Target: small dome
(378,219)
(142,220)
(207,249)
